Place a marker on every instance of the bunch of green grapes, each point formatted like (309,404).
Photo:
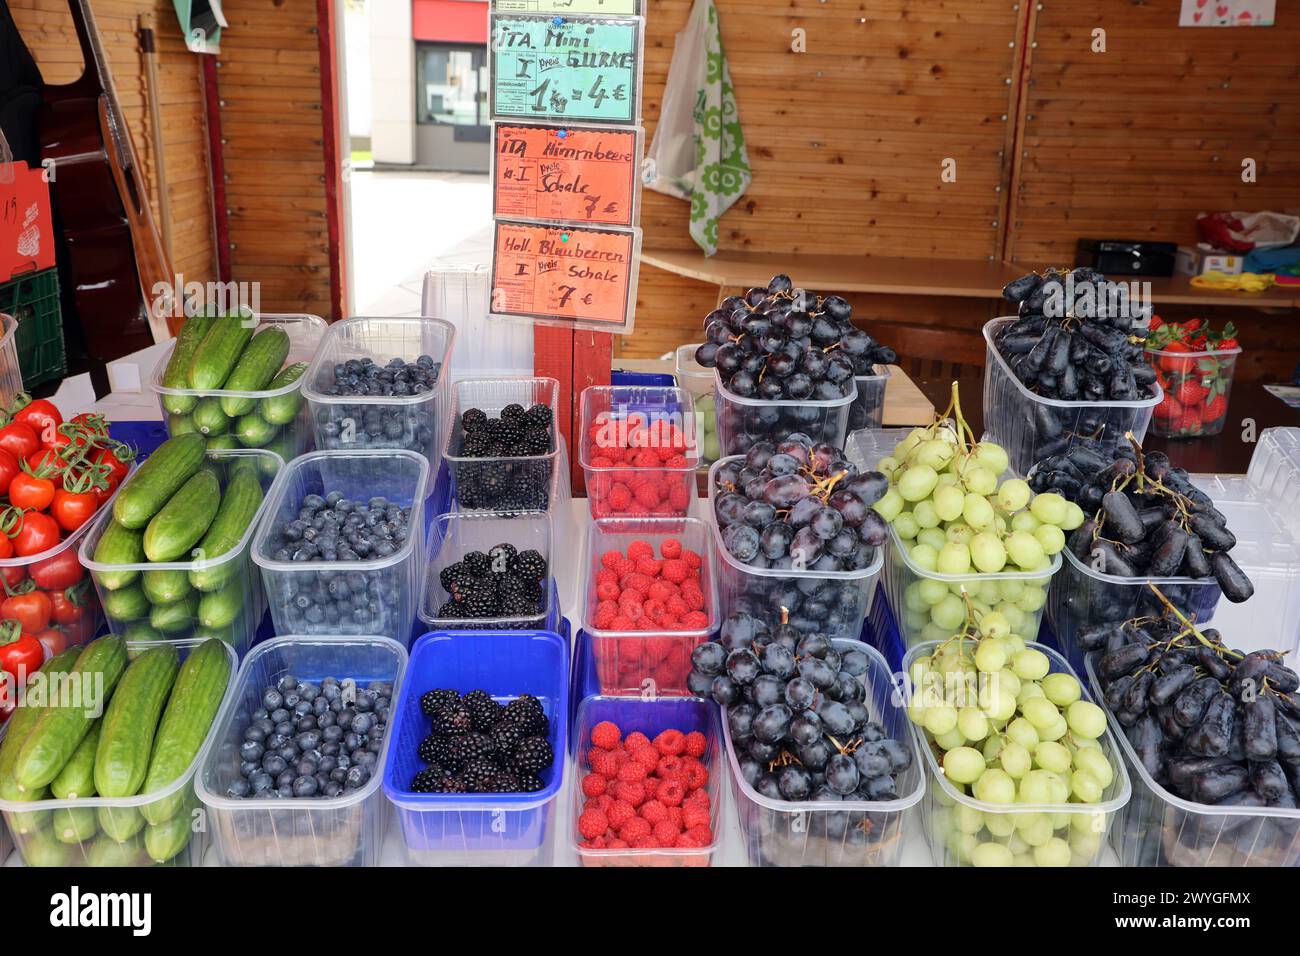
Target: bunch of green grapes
(1007,732)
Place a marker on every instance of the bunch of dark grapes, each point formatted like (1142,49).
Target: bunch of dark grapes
(1077,337)
(782,343)
(476,744)
(501,583)
(1213,725)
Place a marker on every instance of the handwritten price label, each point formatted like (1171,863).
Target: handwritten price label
(575,175)
(615,8)
(578,69)
(563,274)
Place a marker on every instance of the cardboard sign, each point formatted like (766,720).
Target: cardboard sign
(609,8)
(563,274)
(572,175)
(26,226)
(554,68)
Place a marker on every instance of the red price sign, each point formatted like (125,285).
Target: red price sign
(569,175)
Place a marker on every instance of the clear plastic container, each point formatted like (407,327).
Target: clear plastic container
(71,832)
(1209,372)
(917,595)
(653,662)
(290,440)
(651,717)
(1158,828)
(219,597)
(1031,427)
(771,593)
(742,422)
(610,488)
(299,591)
(502,484)
(355,422)
(1274,471)
(845,833)
(11,373)
(466,829)
(455,535)
(868,409)
(954,822)
(346,830)
(699,381)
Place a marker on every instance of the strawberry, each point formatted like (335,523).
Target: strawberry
(1192,325)
(1228,343)
(1190,393)
(1156,322)
(1170,409)
(1190,423)
(1215,408)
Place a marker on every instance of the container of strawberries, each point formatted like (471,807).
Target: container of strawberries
(55,476)
(1194,365)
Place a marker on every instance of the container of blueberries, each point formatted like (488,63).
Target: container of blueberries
(479,828)
(292,776)
(502,443)
(490,571)
(381,383)
(341,544)
(744,421)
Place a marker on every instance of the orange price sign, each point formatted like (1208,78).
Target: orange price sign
(564,274)
(571,175)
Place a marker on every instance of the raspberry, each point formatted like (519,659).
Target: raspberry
(620,811)
(679,498)
(692,559)
(601,461)
(620,498)
(671,793)
(676,570)
(676,606)
(603,762)
(697,798)
(665,833)
(593,785)
(622,623)
(696,744)
(694,598)
(646,459)
(652,785)
(702,835)
(635,829)
(670,742)
(687,842)
(650,567)
(640,549)
(695,620)
(697,776)
(694,816)
(635,741)
(632,772)
(663,591)
(675,815)
(606,614)
(677,461)
(637,582)
(672,767)
(606,735)
(633,793)
(606,576)
(617,844)
(608,592)
(631,606)
(647,496)
(611,560)
(670,548)
(648,623)
(654,811)
(647,757)
(592,824)
(655,610)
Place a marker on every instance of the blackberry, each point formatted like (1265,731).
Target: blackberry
(441,751)
(429,780)
(473,420)
(533,755)
(481,604)
(537,441)
(435,700)
(451,785)
(502,555)
(483,709)
(526,713)
(503,781)
(477,563)
(531,783)
(473,746)
(513,412)
(452,720)
(479,775)
(530,564)
(449,610)
(521,607)
(506,735)
(540,416)
(428,748)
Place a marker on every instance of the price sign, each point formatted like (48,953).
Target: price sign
(574,68)
(616,8)
(559,274)
(574,175)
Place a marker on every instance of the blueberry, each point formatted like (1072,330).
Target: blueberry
(238,788)
(251,750)
(260,782)
(272,700)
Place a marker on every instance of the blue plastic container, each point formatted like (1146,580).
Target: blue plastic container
(880,630)
(507,829)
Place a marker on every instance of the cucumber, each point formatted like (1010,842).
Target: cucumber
(41,849)
(224,634)
(122,758)
(77,778)
(170,466)
(223,443)
(165,586)
(183,520)
(29,822)
(257,366)
(163,841)
(282,409)
(119,545)
(73,825)
(239,504)
(220,608)
(176,374)
(285,445)
(126,604)
(217,354)
(181,425)
(59,729)
(107,852)
(208,417)
(120,823)
(141,631)
(20,725)
(175,617)
(253,431)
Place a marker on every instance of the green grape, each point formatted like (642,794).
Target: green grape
(1010,589)
(1051,538)
(887,465)
(992,456)
(935,454)
(1003,705)
(978,480)
(949,613)
(940,719)
(963,764)
(1085,844)
(1033,599)
(925,515)
(977,511)
(1056,730)
(995,786)
(972,723)
(1015,760)
(993,745)
(1085,787)
(1031,664)
(948,480)
(916,483)
(990,657)
(961,846)
(1055,852)
(1041,713)
(890,505)
(906,526)
(924,556)
(1024,521)
(933,537)
(1052,756)
(953,559)
(1016,843)
(994,624)
(931,631)
(948,501)
(1073,518)
(1013,495)
(951,740)
(915,620)
(1061,689)
(1037,831)
(1014,643)
(932,591)
(1024,549)
(1028,691)
(1086,719)
(1001,825)
(1015,617)
(913,599)
(1007,680)
(967,819)
(1093,762)
(1050,508)
(987,553)
(1036,787)
(916,709)
(959,533)
(992,855)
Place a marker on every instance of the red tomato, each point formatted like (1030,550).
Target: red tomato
(20,653)
(66,606)
(18,439)
(53,640)
(31,610)
(8,470)
(14,573)
(103,494)
(31,493)
(71,510)
(46,459)
(38,533)
(117,467)
(94,425)
(59,572)
(42,417)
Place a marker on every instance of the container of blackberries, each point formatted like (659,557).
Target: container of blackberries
(502,443)
(1063,372)
(381,383)
(502,699)
(490,571)
(639,450)
(806,545)
(649,597)
(341,546)
(823,769)
(293,776)
(1211,738)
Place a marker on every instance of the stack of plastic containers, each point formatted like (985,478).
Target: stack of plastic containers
(744,421)
(11,373)
(347,830)
(699,381)
(868,409)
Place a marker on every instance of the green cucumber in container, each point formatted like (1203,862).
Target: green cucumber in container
(183,520)
(176,375)
(120,823)
(208,417)
(141,631)
(164,841)
(106,852)
(76,781)
(41,849)
(122,757)
(253,431)
(286,445)
(225,442)
(172,619)
(166,585)
(220,608)
(239,504)
(181,425)
(126,604)
(73,825)
(216,355)
(20,725)
(282,409)
(119,545)
(173,463)
(257,367)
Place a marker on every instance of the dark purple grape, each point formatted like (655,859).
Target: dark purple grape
(706,355)
(826,524)
(806,546)
(786,491)
(743,666)
(873,531)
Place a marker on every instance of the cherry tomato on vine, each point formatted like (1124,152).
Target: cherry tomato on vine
(20,653)
(71,509)
(46,459)
(38,533)
(12,574)
(42,417)
(117,467)
(67,606)
(59,572)
(91,424)
(9,469)
(31,493)
(19,439)
(53,640)
(31,609)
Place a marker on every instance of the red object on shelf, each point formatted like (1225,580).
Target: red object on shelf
(449,21)
(26,226)
(576,359)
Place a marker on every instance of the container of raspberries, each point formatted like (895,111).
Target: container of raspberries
(648,782)
(341,543)
(476,757)
(649,597)
(381,383)
(638,450)
(490,571)
(1194,365)
(326,703)
(502,443)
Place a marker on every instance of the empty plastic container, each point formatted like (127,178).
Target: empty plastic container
(11,373)
(75,832)
(847,833)
(742,422)
(475,829)
(833,603)
(309,597)
(954,822)
(354,422)
(699,381)
(650,717)
(289,440)
(169,600)
(646,661)
(868,409)
(1031,427)
(610,417)
(1209,373)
